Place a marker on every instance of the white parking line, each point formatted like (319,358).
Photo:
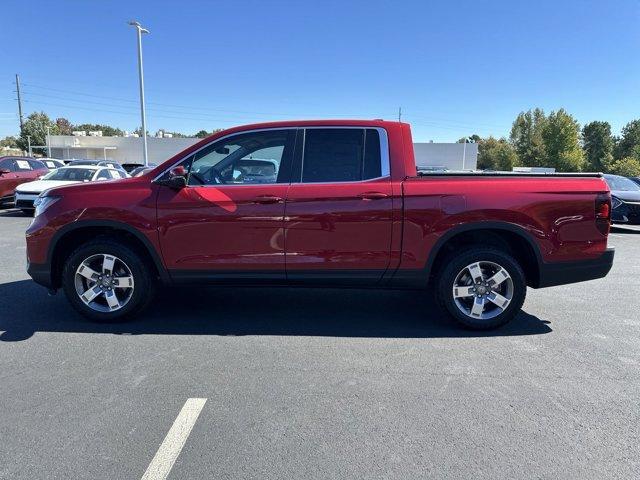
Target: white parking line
(172,445)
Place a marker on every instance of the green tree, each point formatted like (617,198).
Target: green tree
(35,126)
(472,139)
(107,130)
(561,140)
(526,138)
(627,167)
(629,140)
(9,142)
(597,143)
(201,134)
(494,154)
(64,126)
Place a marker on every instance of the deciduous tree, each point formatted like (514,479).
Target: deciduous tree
(561,140)
(526,138)
(597,143)
(629,141)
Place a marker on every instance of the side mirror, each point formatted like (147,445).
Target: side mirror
(177,178)
(4,171)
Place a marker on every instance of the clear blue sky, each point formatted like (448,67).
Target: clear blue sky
(455,67)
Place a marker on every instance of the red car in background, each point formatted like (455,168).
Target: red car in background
(17,170)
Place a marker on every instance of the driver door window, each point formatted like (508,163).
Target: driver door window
(256,158)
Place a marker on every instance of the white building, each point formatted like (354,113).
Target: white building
(452,156)
(121,149)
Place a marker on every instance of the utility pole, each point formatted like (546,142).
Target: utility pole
(48,141)
(29,143)
(140,30)
(464,153)
(19,102)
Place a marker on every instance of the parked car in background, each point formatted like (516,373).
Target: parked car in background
(15,171)
(139,171)
(129,167)
(635,179)
(97,163)
(625,199)
(27,193)
(320,203)
(52,163)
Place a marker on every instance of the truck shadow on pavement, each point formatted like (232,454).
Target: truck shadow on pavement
(25,309)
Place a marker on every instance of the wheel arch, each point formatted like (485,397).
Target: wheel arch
(512,238)
(74,234)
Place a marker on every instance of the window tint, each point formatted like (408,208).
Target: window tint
(7,164)
(341,155)
(103,175)
(248,158)
(333,155)
(372,167)
(37,165)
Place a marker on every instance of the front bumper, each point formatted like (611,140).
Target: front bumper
(626,212)
(25,201)
(41,274)
(561,273)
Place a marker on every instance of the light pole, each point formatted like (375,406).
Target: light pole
(29,143)
(140,30)
(48,141)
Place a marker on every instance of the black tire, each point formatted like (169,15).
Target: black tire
(143,276)
(456,262)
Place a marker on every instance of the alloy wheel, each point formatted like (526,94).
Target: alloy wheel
(104,282)
(483,290)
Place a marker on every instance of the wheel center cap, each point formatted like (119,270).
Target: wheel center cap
(106,282)
(482,289)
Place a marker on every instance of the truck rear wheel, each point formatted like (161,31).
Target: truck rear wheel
(481,287)
(105,280)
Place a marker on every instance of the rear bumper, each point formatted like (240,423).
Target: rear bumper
(561,273)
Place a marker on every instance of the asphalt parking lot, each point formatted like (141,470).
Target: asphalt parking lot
(321,384)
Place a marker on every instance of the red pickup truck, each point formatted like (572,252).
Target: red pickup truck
(322,203)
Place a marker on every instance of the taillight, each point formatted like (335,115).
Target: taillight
(603,212)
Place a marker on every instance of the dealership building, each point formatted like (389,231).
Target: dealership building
(452,156)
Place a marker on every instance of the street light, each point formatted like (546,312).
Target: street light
(140,30)
(48,141)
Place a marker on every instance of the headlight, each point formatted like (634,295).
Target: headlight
(42,203)
(615,202)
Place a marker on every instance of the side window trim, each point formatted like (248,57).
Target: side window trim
(385,169)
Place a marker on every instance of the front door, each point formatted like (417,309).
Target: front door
(338,216)
(228,222)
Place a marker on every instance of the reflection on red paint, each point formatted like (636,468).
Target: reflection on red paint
(214,195)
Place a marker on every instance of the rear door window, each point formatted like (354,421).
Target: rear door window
(23,165)
(340,155)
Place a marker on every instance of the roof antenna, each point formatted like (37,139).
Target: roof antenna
(399,114)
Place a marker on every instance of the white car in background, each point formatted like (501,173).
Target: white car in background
(26,193)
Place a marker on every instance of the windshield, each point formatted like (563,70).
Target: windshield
(70,174)
(623,184)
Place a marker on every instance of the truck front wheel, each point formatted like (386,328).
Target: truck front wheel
(106,280)
(481,287)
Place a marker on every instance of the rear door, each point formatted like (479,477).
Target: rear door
(338,215)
